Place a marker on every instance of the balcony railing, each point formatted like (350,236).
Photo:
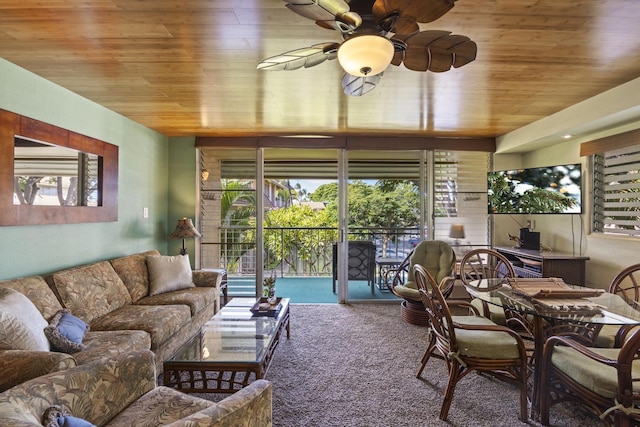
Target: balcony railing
(295,251)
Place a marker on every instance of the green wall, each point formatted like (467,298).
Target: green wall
(144,178)
(182,189)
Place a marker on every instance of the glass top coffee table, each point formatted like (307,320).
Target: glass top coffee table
(234,348)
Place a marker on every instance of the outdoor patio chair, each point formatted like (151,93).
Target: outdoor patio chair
(478,344)
(439,259)
(361,264)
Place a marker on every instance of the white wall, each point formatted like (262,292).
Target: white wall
(570,233)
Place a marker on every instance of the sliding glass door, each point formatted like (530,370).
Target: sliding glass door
(228,207)
(329,224)
(383,218)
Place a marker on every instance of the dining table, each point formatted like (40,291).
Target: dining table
(549,306)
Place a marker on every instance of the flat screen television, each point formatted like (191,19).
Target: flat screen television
(543,190)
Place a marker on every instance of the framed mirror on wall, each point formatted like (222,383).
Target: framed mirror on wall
(49,175)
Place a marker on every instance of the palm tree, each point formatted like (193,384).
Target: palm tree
(237,208)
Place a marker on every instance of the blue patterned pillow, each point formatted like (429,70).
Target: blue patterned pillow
(69,421)
(58,416)
(65,332)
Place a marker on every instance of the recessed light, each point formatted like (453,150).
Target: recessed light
(567,136)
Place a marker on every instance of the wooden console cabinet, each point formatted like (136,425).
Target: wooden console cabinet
(531,263)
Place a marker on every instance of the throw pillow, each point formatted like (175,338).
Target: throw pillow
(22,323)
(65,332)
(58,416)
(169,273)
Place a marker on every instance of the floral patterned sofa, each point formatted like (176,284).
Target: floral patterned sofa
(123,392)
(127,305)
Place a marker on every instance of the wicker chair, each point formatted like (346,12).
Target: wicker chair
(627,285)
(607,380)
(479,345)
(486,264)
(439,259)
(445,284)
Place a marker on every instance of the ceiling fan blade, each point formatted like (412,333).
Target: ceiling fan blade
(438,51)
(406,25)
(421,10)
(465,53)
(305,57)
(358,86)
(398,58)
(330,14)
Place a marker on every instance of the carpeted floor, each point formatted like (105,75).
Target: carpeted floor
(354,366)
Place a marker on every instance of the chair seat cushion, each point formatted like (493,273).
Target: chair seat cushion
(599,378)
(496,312)
(472,320)
(607,336)
(408,291)
(484,344)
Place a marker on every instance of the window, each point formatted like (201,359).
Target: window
(616,192)
(461,198)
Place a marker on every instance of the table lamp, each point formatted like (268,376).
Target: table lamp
(184,230)
(456,232)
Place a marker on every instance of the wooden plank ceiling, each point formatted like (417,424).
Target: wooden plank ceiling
(189,67)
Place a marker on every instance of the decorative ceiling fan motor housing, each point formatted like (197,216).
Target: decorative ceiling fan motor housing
(365,55)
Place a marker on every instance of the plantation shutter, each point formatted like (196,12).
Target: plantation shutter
(460,192)
(616,202)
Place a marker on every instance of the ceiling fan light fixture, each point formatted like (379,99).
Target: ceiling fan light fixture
(365,55)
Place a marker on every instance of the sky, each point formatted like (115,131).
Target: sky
(309,184)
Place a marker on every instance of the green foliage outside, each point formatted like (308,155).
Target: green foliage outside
(287,237)
(288,241)
(503,197)
(388,204)
(238,207)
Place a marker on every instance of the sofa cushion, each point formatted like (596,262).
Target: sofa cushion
(38,291)
(160,406)
(22,324)
(160,322)
(169,273)
(91,291)
(65,332)
(107,345)
(195,298)
(133,271)
(18,366)
(94,392)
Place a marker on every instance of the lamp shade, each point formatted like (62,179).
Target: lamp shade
(365,55)
(184,230)
(456,231)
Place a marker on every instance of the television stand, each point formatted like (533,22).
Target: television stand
(533,263)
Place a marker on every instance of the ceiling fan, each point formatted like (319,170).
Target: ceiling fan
(377,33)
